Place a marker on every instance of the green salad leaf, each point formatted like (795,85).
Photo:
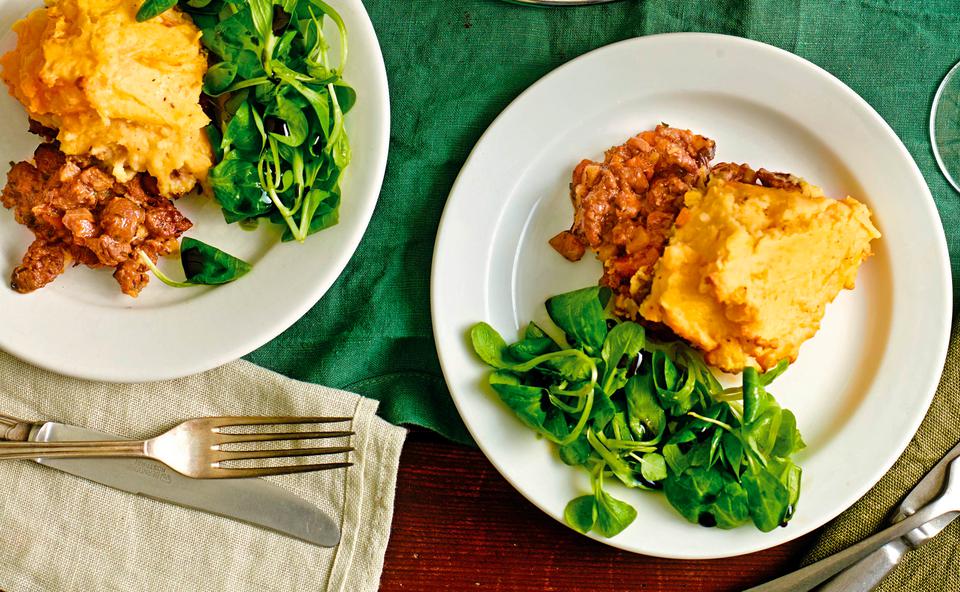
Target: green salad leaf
(279,101)
(152,8)
(621,348)
(650,414)
(646,418)
(490,346)
(219,78)
(768,498)
(580,315)
(581,513)
(613,515)
(203,265)
(523,399)
(206,265)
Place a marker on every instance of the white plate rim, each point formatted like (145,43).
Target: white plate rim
(929,383)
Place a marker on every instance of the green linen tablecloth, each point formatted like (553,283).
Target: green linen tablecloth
(454,65)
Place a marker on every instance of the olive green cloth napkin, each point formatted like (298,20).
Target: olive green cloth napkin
(453,65)
(60,533)
(934,566)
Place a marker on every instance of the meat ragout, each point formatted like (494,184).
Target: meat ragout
(79,213)
(742,173)
(625,206)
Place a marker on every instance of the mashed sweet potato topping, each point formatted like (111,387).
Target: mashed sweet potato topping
(749,270)
(123,92)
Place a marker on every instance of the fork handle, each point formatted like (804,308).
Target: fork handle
(13,429)
(32,450)
(866,574)
(809,577)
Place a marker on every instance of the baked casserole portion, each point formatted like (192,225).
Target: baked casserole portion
(748,272)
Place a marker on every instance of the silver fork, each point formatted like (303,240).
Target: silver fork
(947,504)
(195,447)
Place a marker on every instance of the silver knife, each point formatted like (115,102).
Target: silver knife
(867,573)
(252,501)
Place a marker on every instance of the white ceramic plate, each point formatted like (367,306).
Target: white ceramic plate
(82,325)
(859,388)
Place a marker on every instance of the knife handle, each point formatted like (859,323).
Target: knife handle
(815,574)
(33,450)
(865,575)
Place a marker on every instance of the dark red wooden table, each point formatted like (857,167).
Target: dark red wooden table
(458,525)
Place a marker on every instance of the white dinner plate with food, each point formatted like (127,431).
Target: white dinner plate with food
(860,386)
(82,325)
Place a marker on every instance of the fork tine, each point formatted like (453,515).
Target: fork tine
(243,473)
(240,438)
(252,454)
(233,421)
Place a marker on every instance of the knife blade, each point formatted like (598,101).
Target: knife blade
(867,573)
(252,501)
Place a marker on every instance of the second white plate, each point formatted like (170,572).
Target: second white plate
(860,387)
(81,325)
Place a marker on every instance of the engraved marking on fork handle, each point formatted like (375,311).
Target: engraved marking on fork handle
(153,470)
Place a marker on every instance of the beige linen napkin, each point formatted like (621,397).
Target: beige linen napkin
(62,533)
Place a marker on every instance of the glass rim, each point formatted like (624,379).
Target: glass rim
(955,183)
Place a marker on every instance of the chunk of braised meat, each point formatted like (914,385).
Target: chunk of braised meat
(121,218)
(81,224)
(71,192)
(567,244)
(47,133)
(625,206)
(41,264)
(109,251)
(23,191)
(743,173)
(164,220)
(133,274)
(48,159)
(97,179)
(48,222)
(79,212)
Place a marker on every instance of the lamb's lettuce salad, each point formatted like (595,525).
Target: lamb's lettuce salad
(647,414)
(278,101)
